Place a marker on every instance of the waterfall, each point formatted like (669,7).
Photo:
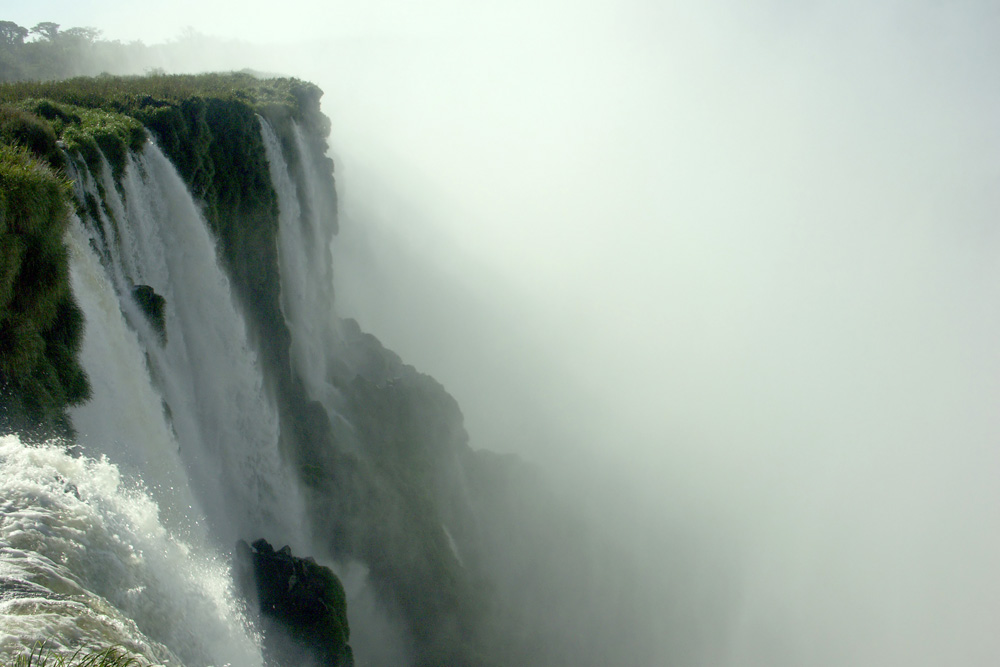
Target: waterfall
(304,239)
(125,419)
(222,419)
(125,537)
(85,561)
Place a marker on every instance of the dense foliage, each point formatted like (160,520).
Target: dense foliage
(207,125)
(40,325)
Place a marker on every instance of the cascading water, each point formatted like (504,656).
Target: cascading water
(304,257)
(305,261)
(85,561)
(208,376)
(125,420)
(212,381)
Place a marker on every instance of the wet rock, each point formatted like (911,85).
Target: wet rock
(302,605)
(154,306)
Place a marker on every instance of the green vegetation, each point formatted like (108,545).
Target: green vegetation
(207,125)
(19,127)
(40,325)
(109,657)
(275,98)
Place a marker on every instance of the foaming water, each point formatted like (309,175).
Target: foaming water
(86,562)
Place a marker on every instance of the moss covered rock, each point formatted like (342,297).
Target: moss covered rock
(155,308)
(300,601)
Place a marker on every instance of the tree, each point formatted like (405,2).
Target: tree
(47,30)
(11,34)
(87,35)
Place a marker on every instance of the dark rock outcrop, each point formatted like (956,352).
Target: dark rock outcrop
(154,306)
(302,605)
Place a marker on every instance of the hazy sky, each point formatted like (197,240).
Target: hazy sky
(746,252)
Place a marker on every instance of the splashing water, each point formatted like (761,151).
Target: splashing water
(85,561)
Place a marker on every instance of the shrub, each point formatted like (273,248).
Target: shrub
(22,128)
(40,325)
(109,657)
(101,131)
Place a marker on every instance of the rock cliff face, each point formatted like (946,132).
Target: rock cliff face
(382,459)
(381,464)
(303,605)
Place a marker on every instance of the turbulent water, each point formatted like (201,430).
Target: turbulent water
(88,559)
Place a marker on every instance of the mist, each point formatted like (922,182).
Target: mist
(728,273)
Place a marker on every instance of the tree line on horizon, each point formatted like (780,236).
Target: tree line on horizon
(46,52)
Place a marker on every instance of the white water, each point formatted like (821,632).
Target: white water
(224,422)
(125,419)
(85,562)
(305,264)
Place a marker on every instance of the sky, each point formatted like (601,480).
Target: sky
(737,260)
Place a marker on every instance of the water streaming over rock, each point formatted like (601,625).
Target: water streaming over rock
(304,257)
(87,560)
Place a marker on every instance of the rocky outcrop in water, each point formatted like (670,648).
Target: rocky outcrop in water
(154,306)
(302,605)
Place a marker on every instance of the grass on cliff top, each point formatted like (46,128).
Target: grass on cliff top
(128,93)
(109,657)
(36,124)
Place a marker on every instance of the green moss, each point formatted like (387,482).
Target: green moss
(99,131)
(40,325)
(338,632)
